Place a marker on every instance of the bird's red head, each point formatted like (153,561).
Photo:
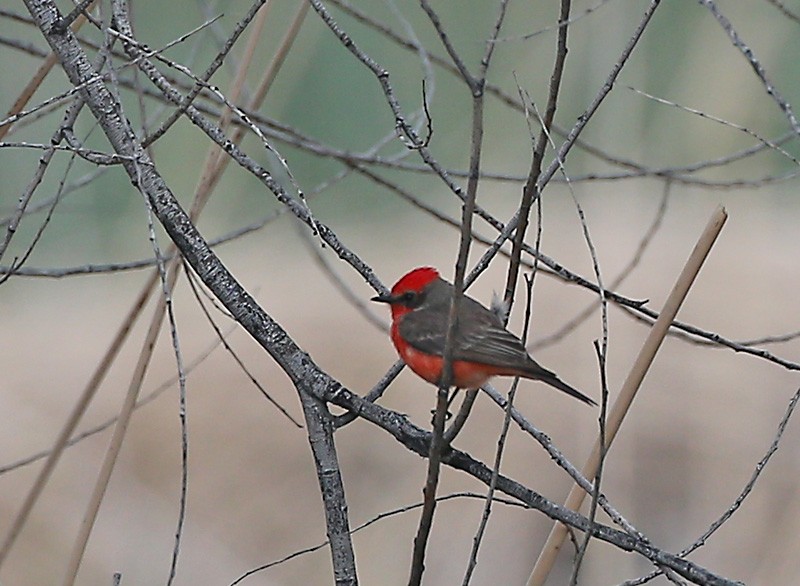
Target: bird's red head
(404,296)
(415,280)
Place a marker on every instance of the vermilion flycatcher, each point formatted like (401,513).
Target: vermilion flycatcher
(482,346)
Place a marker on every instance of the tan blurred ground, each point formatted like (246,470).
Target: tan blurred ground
(704,417)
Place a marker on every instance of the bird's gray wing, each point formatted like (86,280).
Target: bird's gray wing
(479,337)
(482,338)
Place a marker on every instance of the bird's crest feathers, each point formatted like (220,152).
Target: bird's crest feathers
(415,280)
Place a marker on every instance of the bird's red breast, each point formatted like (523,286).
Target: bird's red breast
(466,375)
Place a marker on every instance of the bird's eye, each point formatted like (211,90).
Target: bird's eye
(409,296)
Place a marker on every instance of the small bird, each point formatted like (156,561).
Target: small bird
(482,346)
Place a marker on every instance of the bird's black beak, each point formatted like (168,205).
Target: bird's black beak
(383,298)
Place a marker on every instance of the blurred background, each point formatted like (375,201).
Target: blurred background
(704,416)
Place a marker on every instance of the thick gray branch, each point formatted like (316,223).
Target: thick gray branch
(143,174)
(319,422)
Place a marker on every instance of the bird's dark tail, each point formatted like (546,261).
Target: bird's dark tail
(556,382)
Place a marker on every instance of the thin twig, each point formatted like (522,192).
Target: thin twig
(492,89)
(786,12)
(748,488)
(93,269)
(258,171)
(376,519)
(407,132)
(754,62)
(35,82)
(498,457)
(579,557)
(626,271)
(44,474)
(772,145)
(150,397)
(242,366)
(531,189)
(357,301)
(215,64)
(44,162)
(166,291)
(439,443)
(559,458)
